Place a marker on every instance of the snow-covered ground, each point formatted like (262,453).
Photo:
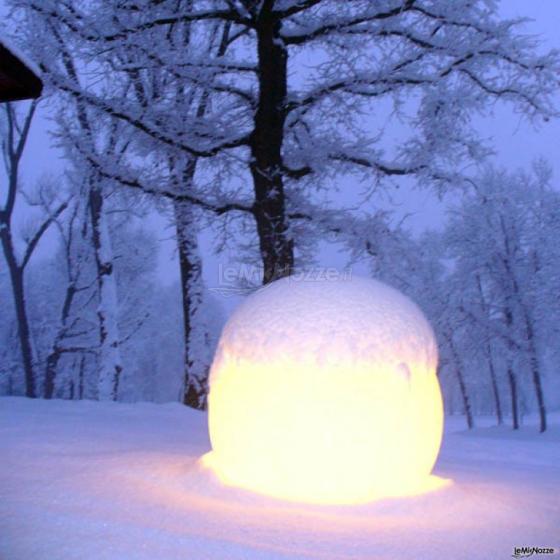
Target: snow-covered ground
(101,481)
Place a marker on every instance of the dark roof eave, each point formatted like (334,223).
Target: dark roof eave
(17,81)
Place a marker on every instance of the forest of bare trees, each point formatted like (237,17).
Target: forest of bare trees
(211,114)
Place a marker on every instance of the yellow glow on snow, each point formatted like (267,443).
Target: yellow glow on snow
(333,433)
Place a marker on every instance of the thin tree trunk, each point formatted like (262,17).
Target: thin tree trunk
(195,374)
(510,373)
(81,376)
(110,355)
(533,355)
(461,380)
(494,381)
(109,339)
(464,395)
(12,151)
(18,293)
(513,392)
(55,354)
(535,372)
(490,358)
(276,247)
(50,372)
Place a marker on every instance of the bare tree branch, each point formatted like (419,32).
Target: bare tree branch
(31,246)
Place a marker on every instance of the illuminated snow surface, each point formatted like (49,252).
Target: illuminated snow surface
(112,481)
(326,392)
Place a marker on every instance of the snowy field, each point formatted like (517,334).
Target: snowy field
(87,480)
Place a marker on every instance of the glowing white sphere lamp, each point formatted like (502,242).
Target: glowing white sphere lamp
(326,392)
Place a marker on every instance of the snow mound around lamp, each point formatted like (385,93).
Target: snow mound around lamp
(325,391)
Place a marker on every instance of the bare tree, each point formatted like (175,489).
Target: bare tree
(13,144)
(208,98)
(488,352)
(492,236)
(72,328)
(456,364)
(292,136)
(111,365)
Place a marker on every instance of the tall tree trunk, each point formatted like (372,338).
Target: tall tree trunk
(109,339)
(494,381)
(13,145)
(490,357)
(513,393)
(56,351)
(276,247)
(535,370)
(510,373)
(18,292)
(533,355)
(195,372)
(81,376)
(464,395)
(50,372)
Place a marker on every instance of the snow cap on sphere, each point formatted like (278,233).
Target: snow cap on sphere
(343,321)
